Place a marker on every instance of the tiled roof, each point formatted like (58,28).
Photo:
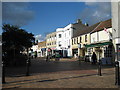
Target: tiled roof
(85,30)
(78,29)
(104,24)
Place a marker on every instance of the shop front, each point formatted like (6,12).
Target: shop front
(104,51)
(75,53)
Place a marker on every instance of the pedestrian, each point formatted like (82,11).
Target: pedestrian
(94,58)
(57,57)
(35,54)
(47,58)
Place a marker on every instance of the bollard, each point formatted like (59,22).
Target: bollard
(28,64)
(3,72)
(117,78)
(99,68)
(79,59)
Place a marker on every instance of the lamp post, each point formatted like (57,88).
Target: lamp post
(28,64)
(99,68)
(79,46)
(117,76)
(3,72)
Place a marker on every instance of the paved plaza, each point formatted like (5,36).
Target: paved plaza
(66,73)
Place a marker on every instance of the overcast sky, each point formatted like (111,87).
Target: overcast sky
(41,18)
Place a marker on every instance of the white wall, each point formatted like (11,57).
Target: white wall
(35,48)
(94,38)
(59,40)
(66,34)
(103,35)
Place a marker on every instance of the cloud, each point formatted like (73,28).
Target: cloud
(16,13)
(96,12)
(40,38)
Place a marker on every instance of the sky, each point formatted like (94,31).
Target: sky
(41,18)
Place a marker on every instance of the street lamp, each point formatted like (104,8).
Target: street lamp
(99,68)
(117,78)
(3,72)
(79,46)
(28,64)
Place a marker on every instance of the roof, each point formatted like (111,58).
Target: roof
(104,24)
(42,44)
(85,30)
(78,28)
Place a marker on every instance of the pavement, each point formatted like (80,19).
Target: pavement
(66,73)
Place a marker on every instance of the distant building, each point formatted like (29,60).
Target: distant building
(42,49)
(51,43)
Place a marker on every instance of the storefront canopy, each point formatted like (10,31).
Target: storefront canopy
(98,44)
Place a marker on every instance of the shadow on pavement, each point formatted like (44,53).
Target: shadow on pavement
(41,66)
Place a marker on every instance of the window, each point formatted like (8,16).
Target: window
(80,39)
(77,41)
(69,32)
(59,45)
(59,35)
(85,38)
(74,40)
(65,34)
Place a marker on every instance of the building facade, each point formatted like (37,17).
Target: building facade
(80,40)
(64,36)
(51,43)
(101,42)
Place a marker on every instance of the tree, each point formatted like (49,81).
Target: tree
(15,39)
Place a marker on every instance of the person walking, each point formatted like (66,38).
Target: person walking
(94,58)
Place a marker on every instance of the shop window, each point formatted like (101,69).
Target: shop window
(108,51)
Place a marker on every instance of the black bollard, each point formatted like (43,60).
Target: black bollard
(117,81)
(28,64)
(99,68)
(3,72)
(79,59)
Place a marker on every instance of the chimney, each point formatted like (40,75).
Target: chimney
(86,24)
(79,21)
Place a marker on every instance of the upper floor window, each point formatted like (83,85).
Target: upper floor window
(72,41)
(59,35)
(85,38)
(80,39)
(77,41)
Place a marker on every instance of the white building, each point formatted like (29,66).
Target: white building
(64,36)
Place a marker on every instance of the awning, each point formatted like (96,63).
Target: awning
(98,44)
